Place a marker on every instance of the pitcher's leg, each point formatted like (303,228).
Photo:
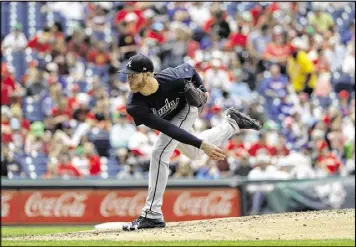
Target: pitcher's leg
(158,176)
(216,136)
(159,165)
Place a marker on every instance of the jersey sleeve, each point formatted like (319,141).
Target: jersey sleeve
(141,116)
(186,71)
(137,112)
(198,82)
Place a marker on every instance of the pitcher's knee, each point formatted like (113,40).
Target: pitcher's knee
(193,155)
(159,156)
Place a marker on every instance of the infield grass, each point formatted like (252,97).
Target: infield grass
(19,231)
(14,231)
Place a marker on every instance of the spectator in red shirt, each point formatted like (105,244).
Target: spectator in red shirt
(261,144)
(59,114)
(278,50)
(156,33)
(261,13)
(7,85)
(99,56)
(65,167)
(14,127)
(62,109)
(42,41)
(72,99)
(192,47)
(235,146)
(81,113)
(94,159)
(281,147)
(237,39)
(130,8)
(5,125)
(327,160)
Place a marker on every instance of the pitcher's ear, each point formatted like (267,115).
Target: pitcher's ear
(149,74)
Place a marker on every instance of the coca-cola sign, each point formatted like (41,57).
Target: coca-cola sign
(68,204)
(5,204)
(117,204)
(10,206)
(216,203)
(93,206)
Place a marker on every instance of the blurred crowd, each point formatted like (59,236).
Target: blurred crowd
(289,65)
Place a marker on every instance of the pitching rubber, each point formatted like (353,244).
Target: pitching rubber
(110,225)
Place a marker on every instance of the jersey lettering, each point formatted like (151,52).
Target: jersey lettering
(167,108)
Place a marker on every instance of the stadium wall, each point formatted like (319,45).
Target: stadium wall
(98,201)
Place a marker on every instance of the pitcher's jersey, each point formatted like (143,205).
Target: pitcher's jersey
(169,98)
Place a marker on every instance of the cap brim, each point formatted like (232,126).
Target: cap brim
(128,71)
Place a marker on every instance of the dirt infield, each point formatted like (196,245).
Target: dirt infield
(306,225)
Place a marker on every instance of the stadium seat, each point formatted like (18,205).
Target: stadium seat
(33,111)
(20,64)
(22,17)
(40,18)
(83,86)
(113,167)
(101,142)
(5,19)
(98,35)
(25,163)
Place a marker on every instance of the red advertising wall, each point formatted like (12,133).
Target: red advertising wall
(98,206)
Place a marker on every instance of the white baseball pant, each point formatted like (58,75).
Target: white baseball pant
(165,146)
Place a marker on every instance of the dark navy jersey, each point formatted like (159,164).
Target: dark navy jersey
(156,109)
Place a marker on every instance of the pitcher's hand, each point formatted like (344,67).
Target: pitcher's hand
(214,152)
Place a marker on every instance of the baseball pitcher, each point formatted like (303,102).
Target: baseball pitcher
(169,102)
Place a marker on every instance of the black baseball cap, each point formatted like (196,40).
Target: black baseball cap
(138,64)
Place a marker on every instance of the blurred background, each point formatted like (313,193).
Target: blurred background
(63,103)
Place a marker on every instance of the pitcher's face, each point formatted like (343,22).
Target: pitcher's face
(136,82)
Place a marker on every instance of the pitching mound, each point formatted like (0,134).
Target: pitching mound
(306,225)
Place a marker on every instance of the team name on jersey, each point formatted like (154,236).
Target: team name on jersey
(167,108)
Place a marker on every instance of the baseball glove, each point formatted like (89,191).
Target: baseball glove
(194,96)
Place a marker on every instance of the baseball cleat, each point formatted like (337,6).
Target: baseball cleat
(142,223)
(243,121)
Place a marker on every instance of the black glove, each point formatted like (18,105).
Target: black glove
(194,96)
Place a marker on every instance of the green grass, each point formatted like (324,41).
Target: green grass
(335,242)
(15,231)
(18,231)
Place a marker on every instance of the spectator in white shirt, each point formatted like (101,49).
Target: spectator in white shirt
(199,13)
(348,65)
(141,142)
(81,162)
(335,54)
(71,10)
(262,171)
(300,164)
(216,77)
(15,41)
(121,131)
(284,170)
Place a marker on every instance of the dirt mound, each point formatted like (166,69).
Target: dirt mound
(305,225)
